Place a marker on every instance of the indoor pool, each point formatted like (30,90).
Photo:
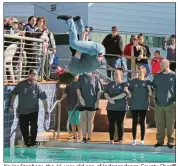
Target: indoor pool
(81,155)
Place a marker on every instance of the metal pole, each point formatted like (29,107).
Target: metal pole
(21,62)
(59,120)
(42,61)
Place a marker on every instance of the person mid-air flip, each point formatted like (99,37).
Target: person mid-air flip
(88,54)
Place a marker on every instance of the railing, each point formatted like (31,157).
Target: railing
(47,122)
(21,54)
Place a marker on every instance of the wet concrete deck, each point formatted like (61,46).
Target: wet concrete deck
(103,137)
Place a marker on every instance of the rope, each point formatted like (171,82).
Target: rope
(44,9)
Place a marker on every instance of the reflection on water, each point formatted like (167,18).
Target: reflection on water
(78,155)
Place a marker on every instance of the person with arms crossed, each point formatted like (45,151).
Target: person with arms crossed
(116,93)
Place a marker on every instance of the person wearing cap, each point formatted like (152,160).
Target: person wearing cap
(128,51)
(29,92)
(171,51)
(93,51)
(11,26)
(113,44)
(116,92)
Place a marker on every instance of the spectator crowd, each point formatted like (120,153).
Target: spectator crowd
(84,92)
(35,28)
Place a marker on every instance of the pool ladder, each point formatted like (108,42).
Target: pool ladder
(46,123)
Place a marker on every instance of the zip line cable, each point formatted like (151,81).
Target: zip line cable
(44,9)
(97,30)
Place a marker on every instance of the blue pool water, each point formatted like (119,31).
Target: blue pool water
(81,155)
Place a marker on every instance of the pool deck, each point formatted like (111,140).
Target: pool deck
(100,142)
(103,137)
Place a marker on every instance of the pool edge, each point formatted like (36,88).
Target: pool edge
(102,146)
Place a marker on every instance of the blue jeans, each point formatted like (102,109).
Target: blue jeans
(87,47)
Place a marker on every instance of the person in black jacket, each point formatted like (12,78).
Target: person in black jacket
(114,45)
(142,51)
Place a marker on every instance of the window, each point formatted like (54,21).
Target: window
(153,41)
(97,36)
(61,39)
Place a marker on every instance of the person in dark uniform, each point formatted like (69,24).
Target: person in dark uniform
(29,92)
(116,93)
(140,89)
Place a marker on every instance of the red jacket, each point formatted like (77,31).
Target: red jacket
(155,64)
(128,49)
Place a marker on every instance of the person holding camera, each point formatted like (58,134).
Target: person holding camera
(171,51)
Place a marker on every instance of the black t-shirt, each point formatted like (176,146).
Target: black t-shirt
(72,97)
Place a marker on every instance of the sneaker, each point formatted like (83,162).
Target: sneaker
(91,29)
(120,142)
(134,142)
(111,142)
(157,145)
(88,141)
(76,18)
(142,142)
(36,143)
(116,140)
(83,141)
(71,137)
(64,17)
(88,29)
(170,145)
(28,144)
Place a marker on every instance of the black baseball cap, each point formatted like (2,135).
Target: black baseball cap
(32,71)
(173,36)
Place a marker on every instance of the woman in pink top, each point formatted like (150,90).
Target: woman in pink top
(155,63)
